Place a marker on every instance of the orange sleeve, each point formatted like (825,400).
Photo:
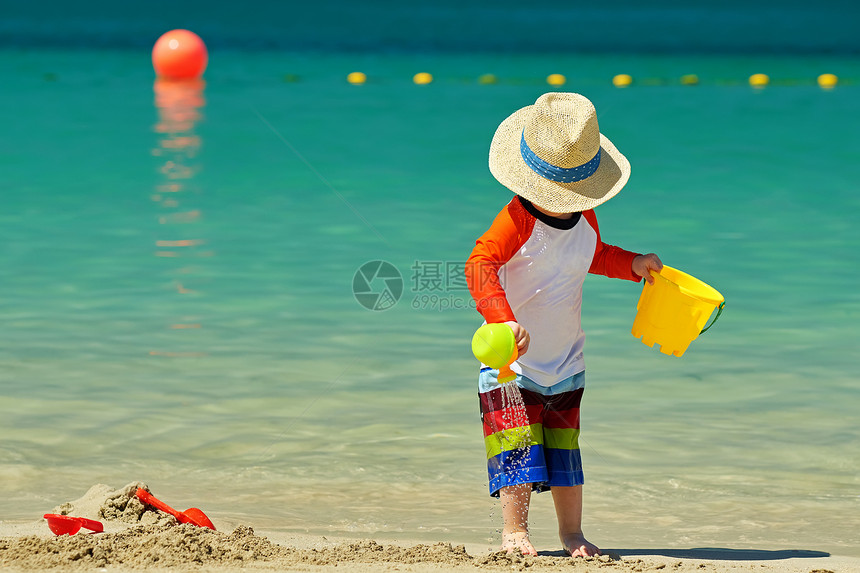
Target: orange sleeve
(609,260)
(509,231)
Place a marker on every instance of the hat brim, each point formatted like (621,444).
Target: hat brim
(509,168)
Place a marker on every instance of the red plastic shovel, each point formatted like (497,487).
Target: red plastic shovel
(193,515)
(68,525)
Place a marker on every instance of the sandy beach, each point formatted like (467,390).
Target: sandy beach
(138,537)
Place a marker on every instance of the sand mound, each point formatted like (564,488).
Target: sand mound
(140,547)
(121,506)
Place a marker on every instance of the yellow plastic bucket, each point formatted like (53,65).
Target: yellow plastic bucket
(673,311)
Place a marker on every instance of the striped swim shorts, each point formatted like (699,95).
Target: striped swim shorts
(533,440)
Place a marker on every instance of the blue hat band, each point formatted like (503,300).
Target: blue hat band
(555,173)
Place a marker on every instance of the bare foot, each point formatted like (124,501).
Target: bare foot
(576,545)
(518,540)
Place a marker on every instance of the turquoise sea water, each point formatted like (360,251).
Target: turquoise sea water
(176,294)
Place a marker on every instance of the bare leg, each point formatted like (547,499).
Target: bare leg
(568,510)
(515,513)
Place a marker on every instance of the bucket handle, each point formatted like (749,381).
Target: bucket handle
(713,322)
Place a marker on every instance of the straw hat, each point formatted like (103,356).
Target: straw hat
(553,154)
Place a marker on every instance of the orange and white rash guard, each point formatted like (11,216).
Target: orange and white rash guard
(530,268)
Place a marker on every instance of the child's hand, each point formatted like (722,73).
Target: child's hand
(521,335)
(643,264)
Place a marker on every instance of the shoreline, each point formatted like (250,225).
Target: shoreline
(164,546)
(138,537)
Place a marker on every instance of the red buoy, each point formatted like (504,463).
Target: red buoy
(179,55)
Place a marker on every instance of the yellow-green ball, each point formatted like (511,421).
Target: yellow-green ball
(494,345)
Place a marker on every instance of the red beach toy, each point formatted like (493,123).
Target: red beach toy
(68,525)
(193,515)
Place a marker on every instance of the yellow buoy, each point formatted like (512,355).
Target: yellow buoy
(622,80)
(487,79)
(556,80)
(827,81)
(422,78)
(689,80)
(356,78)
(759,80)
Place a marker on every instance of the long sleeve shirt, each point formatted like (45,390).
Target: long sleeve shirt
(530,268)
